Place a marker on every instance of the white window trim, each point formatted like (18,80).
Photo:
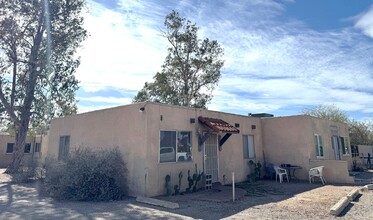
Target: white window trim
(318,147)
(244,156)
(176,161)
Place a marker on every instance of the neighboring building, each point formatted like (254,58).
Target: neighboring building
(362,152)
(34,149)
(159,139)
(308,142)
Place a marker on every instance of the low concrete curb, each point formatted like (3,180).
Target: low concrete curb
(157,202)
(340,206)
(353,194)
(344,201)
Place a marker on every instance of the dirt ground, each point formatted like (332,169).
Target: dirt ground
(294,200)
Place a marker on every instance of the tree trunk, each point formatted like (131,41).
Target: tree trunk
(25,115)
(19,149)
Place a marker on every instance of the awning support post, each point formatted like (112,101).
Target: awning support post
(224,139)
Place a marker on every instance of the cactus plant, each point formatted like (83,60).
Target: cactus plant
(167,184)
(193,180)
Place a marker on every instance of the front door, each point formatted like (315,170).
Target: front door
(211,160)
(336,147)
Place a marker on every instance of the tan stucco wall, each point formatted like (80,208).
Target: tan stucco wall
(6,158)
(178,118)
(44,139)
(334,170)
(290,140)
(122,127)
(137,135)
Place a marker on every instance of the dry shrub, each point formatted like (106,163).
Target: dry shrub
(87,175)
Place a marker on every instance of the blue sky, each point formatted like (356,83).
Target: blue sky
(280,56)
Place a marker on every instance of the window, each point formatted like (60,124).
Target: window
(64,147)
(9,148)
(248,146)
(344,145)
(37,147)
(319,146)
(175,146)
(27,148)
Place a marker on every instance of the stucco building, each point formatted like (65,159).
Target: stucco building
(158,139)
(34,149)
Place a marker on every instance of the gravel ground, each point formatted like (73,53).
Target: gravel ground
(299,200)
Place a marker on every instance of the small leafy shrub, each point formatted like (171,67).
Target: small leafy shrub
(87,175)
(255,173)
(357,165)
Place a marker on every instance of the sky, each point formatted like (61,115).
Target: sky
(281,56)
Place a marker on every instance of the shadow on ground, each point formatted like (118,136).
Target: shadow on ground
(22,201)
(258,193)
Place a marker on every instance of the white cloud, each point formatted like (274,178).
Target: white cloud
(113,56)
(270,64)
(90,108)
(100,99)
(365,22)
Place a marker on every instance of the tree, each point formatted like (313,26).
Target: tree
(38,41)
(361,132)
(330,112)
(191,69)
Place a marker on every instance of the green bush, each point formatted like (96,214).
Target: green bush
(87,175)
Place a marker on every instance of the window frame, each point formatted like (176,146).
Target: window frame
(246,149)
(37,147)
(344,145)
(319,146)
(29,148)
(63,154)
(176,134)
(7,146)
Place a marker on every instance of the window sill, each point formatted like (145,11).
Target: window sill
(184,161)
(172,162)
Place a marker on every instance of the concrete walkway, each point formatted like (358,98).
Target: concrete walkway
(365,177)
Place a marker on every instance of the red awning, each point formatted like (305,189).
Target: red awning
(218,125)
